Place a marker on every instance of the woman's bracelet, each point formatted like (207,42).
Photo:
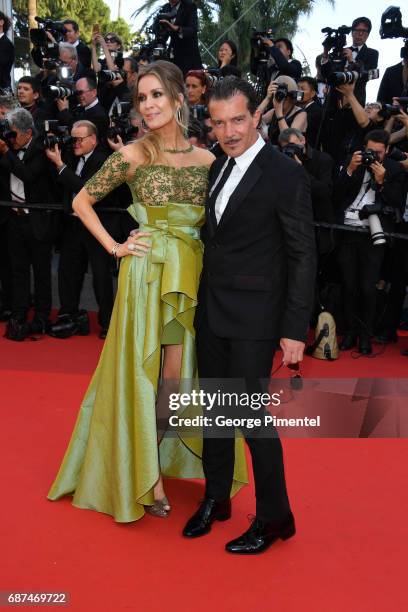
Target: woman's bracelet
(279,118)
(114,249)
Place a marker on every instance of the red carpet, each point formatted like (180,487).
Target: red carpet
(349,497)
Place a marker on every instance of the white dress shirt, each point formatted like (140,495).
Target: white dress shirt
(242,164)
(16,185)
(92,104)
(365,196)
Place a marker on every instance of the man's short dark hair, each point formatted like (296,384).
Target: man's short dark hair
(91,83)
(74,24)
(7,21)
(287,42)
(229,87)
(381,136)
(310,80)
(134,66)
(364,20)
(35,83)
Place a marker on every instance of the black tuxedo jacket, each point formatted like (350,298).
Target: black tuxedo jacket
(367,59)
(314,118)
(97,115)
(392,195)
(319,166)
(391,84)
(185,49)
(84,54)
(72,184)
(292,68)
(7,55)
(258,276)
(35,172)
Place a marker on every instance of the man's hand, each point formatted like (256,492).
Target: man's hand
(295,157)
(172,26)
(348,54)
(379,172)
(115,146)
(267,42)
(3,147)
(292,350)
(50,37)
(355,162)
(62,104)
(347,89)
(54,155)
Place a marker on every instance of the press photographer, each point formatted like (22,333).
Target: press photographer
(7,53)
(281,61)
(25,178)
(311,104)
(29,97)
(395,80)
(368,193)
(178,20)
(77,245)
(286,112)
(358,53)
(47,37)
(89,108)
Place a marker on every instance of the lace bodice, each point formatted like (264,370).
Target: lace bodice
(153,185)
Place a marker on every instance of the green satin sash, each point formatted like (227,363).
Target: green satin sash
(112,461)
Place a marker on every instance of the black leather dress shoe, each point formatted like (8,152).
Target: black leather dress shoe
(364,346)
(17,330)
(348,342)
(68,325)
(261,536)
(209,511)
(103,333)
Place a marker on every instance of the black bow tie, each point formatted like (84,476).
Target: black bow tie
(354,49)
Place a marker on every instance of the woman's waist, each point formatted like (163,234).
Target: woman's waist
(185,217)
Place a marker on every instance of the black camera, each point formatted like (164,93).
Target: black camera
(160,30)
(121,124)
(55,134)
(107,76)
(62,87)
(368,157)
(391,27)
(292,149)
(371,212)
(282,93)
(5,131)
(49,51)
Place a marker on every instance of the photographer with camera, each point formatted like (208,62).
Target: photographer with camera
(29,97)
(312,106)
(286,113)
(89,109)
(358,53)
(111,44)
(7,53)
(395,81)
(50,35)
(25,178)
(179,20)
(368,193)
(77,244)
(281,60)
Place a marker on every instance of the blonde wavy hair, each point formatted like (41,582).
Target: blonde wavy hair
(172,81)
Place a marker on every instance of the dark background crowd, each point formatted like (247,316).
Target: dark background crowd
(58,126)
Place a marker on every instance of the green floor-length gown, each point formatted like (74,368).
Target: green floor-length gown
(112,461)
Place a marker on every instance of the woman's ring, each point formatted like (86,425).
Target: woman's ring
(132,247)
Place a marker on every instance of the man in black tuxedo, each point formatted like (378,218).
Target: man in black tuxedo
(394,83)
(89,108)
(360,54)
(25,178)
(29,96)
(183,30)
(77,244)
(359,260)
(257,287)
(281,60)
(313,108)
(7,53)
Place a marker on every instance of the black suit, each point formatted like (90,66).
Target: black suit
(368,60)
(97,115)
(78,245)
(314,111)
(186,52)
(358,260)
(84,54)
(7,55)
(292,68)
(30,235)
(392,85)
(257,286)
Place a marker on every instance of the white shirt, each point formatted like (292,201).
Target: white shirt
(82,161)
(242,164)
(17,185)
(365,196)
(92,104)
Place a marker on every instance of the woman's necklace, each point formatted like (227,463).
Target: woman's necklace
(188,150)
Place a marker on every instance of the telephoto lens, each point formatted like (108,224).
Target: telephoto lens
(376,230)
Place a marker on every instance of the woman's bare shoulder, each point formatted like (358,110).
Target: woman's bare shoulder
(203,157)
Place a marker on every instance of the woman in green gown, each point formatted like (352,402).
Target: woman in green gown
(114,463)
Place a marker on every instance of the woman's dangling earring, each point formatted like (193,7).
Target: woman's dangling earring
(179,116)
(144,125)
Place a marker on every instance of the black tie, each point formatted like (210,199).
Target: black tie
(354,49)
(222,181)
